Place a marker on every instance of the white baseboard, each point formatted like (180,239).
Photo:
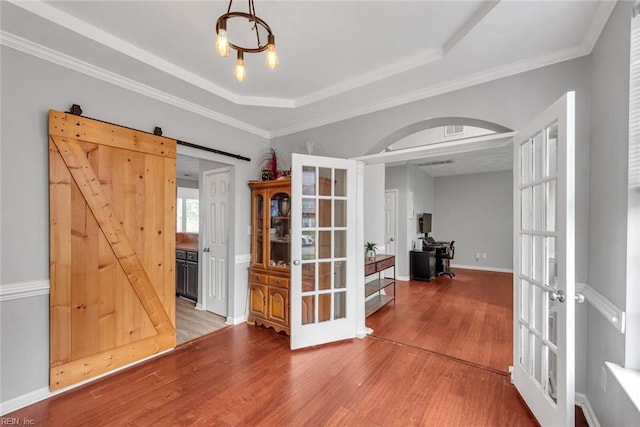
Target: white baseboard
(405,278)
(363,332)
(44,393)
(587,410)
(11,291)
(235,320)
(477,267)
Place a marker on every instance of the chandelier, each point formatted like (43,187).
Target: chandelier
(223,43)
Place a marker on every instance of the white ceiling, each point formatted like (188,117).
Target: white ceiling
(338,59)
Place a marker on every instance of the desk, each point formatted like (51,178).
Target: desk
(422,264)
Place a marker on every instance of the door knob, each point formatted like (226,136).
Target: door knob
(296,262)
(579,298)
(392,239)
(205,250)
(557,296)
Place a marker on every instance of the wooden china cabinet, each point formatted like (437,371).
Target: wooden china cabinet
(269,272)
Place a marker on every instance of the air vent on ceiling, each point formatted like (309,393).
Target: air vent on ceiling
(453,130)
(434,163)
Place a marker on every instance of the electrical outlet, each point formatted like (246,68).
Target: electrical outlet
(604,379)
(477,256)
(484,255)
(248,230)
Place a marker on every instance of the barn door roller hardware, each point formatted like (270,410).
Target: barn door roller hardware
(77,111)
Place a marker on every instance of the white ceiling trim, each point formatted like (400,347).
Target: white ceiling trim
(469,25)
(371,77)
(26,46)
(441,149)
(94,33)
(442,88)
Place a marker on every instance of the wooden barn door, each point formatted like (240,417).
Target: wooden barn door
(112,247)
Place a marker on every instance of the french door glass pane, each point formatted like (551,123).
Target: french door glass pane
(538,258)
(324,307)
(551,206)
(340,244)
(340,213)
(324,244)
(525,210)
(340,305)
(538,156)
(525,255)
(308,212)
(309,245)
(340,274)
(324,275)
(552,388)
(324,212)
(524,348)
(325,179)
(308,277)
(551,150)
(552,262)
(536,314)
(525,163)
(524,301)
(308,309)
(537,357)
(552,323)
(340,183)
(308,181)
(538,207)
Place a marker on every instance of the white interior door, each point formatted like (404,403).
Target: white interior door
(544,264)
(214,254)
(390,227)
(323,249)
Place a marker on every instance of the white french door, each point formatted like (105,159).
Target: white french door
(214,254)
(544,264)
(323,249)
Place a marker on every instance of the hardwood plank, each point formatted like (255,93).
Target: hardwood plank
(60,258)
(468,317)
(84,129)
(192,323)
(169,244)
(244,375)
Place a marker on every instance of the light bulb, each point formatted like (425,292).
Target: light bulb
(272,56)
(239,72)
(222,41)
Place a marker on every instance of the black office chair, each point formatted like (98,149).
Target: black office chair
(446,257)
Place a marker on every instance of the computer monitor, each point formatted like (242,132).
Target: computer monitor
(424,223)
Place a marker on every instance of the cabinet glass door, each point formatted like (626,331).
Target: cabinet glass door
(258,226)
(279,230)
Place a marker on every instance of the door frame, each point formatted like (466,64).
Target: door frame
(231,168)
(202,303)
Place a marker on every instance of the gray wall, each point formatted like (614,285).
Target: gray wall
(30,87)
(403,178)
(608,193)
(476,211)
(373,188)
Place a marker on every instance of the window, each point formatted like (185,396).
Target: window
(188,210)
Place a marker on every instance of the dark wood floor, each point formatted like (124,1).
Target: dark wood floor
(469,317)
(247,375)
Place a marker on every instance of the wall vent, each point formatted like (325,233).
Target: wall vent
(453,130)
(434,163)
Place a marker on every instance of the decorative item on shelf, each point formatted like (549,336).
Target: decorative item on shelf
(370,249)
(283,173)
(270,165)
(285,206)
(258,26)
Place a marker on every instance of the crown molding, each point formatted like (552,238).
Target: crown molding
(26,46)
(444,87)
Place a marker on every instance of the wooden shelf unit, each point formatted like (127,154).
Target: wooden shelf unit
(269,272)
(375,291)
